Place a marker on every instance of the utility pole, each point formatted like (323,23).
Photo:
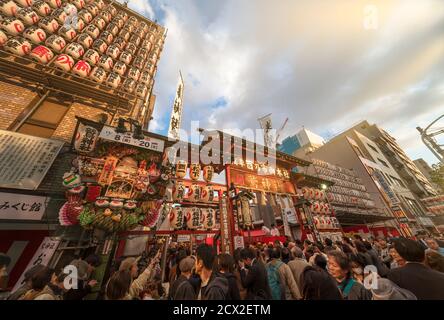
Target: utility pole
(428,136)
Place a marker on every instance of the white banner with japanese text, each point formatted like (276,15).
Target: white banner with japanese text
(21,206)
(176,113)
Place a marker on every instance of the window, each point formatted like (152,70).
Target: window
(373,148)
(398,182)
(383,163)
(358,151)
(416,208)
(45,119)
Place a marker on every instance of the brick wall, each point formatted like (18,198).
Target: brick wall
(66,128)
(13,100)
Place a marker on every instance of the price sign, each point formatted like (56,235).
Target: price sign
(109,133)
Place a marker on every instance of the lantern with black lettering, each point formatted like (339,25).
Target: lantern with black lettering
(54,3)
(135,39)
(18,46)
(139,31)
(107,36)
(93,31)
(208,172)
(93,9)
(42,8)
(78,3)
(8,8)
(42,54)
(3,38)
(145,78)
(100,4)
(100,45)
(112,10)
(126,58)
(35,35)
(147,45)
(128,84)
(139,62)
(131,48)
(120,68)
(106,15)
(56,43)
(85,40)
(75,50)
(133,73)
(82,68)
(99,22)
(67,33)
(12,26)
(176,218)
(106,63)
(125,34)
(113,80)
(24,3)
(60,15)
(123,15)
(119,22)
(92,57)
(98,74)
(144,26)
(113,28)
(28,16)
(141,90)
(64,62)
(129,27)
(49,24)
(85,15)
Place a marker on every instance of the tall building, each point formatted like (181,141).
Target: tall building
(404,166)
(426,170)
(101,68)
(303,139)
(354,151)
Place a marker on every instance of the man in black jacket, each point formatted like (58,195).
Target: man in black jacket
(254,276)
(423,282)
(213,287)
(182,289)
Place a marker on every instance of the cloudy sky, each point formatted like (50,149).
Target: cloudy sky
(324,64)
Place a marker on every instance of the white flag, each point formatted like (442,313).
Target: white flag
(267,127)
(176,113)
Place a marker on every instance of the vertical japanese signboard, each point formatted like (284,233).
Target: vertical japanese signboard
(176,114)
(25,160)
(42,256)
(225,227)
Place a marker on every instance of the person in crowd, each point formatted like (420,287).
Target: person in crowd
(432,244)
(357,265)
(339,267)
(237,259)
(387,290)
(309,252)
(225,267)
(347,245)
(286,255)
(254,276)
(362,251)
(421,238)
(139,280)
(119,286)
(376,261)
(27,285)
(435,260)
(150,292)
(357,237)
(57,285)
(274,231)
(280,278)
(396,260)
(4,278)
(383,250)
(297,266)
(317,284)
(213,286)
(182,289)
(84,285)
(423,282)
(339,245)
(40,289)
(174,270)
(291,245)
(328,245)
(320,261)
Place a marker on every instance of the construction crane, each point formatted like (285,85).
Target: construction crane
(429,137)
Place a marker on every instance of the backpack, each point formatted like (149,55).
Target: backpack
(274,280)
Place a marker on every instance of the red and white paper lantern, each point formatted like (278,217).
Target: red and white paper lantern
(82,68)
(42,54)
(100,45)
(141,90)
(194,193)
(92,57)
(128,84)
(12,26)
(135,39)
(119,22)
(126,58)
(60,15)
(3,38)
(133,73)
(54,3)
(93,9)
(9,8)
(85,15)
(179,191)
(35,35)
(107,36)
(194,171)
(113,28)
(120,68)
(113,80)
(24,3)
(106,15)
(49,24)
(93,31)
(85,40)
(78,3)
(98,75)
(64,62)
(207,194)
(131,48)
(100,4)
(67,33)
(139,62)
(176,218)
(145,78)
(99,22)
(56,43)
(112,10)
(18,46)
(75,50)
(125,34)
(28,16)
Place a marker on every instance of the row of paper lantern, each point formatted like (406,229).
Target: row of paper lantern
(104,63)
(320,163)
(350,192)
(346,184)
(194,218)
(320,207)
(340,198)
(194,171)
(437,209)
(337,175)
(312,193)
(195,193)
(324,222)
(435,199)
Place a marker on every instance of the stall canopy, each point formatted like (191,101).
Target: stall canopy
(351,218)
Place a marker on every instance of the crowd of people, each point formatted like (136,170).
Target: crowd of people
(351,269)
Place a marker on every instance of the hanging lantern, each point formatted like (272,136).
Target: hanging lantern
(193,218)
(93,31)
(194,193)
(54,3)
(28,16)
(9,8)
(181,169)
(133,73)
(113,80)
(129,84)
(131,48)
(176,218)
(100,45)
(99,22)
(207,194)
(49,24)
(141,90)
(125,34)
(60,15)
(18,46)
(35,35)
(194,171)
(75,50)
(12,26)
(85,40)
(113,51)
(114,29)
(179,191)
(78,3)
(120,68)
(67,32)
(98,74)
(93,9)
(119,22)
(56,43)
(42,54)
(106,63)
(92,57)
(3,38)
(208,172)
(64,62)
(82,68)
(85,16)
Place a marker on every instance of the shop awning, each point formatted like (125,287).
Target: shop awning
(306,180)
(350,218)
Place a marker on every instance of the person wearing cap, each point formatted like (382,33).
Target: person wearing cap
(181,288)
(20,292)
(84,285)
(415,276)
(138,281)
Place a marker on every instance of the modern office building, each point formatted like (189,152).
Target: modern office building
(303,139)
(426,170)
